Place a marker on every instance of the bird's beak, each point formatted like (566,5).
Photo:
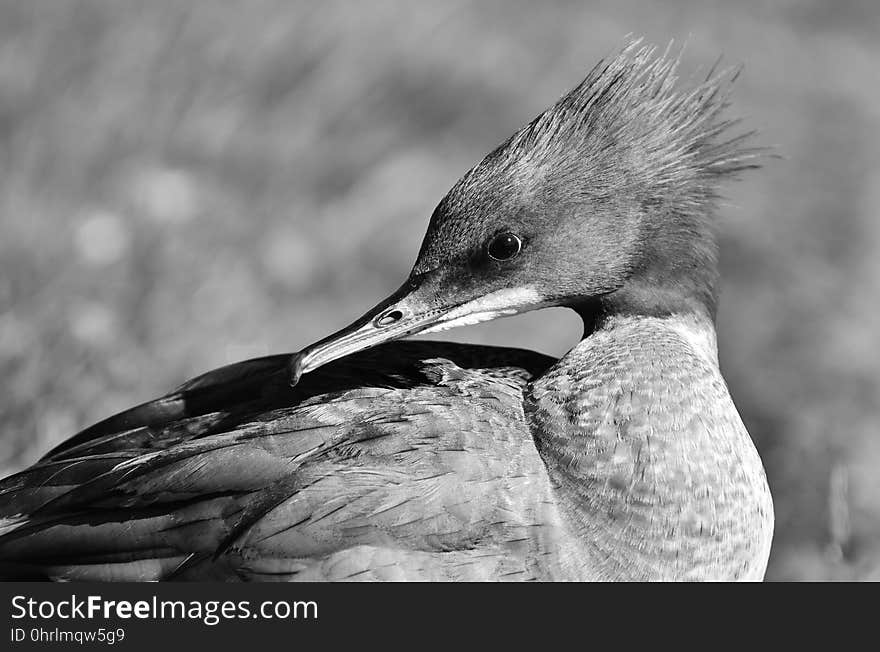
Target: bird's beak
(420,305)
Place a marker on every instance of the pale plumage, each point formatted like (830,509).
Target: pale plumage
(651,461)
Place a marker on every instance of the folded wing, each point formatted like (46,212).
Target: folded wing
(409,461)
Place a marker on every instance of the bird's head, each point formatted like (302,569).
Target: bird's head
(602,203)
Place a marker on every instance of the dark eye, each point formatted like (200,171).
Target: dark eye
(504,246)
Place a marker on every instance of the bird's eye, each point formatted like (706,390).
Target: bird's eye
(504,246)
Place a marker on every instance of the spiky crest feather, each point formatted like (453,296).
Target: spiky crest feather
(626,127)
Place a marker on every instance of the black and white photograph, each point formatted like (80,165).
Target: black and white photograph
(460,292)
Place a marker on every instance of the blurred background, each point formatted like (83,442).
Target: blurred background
(184,185)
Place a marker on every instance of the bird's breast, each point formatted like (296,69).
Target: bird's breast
(649,459)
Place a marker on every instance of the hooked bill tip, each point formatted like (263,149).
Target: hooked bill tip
(296,369)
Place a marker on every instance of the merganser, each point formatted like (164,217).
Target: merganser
(366,458)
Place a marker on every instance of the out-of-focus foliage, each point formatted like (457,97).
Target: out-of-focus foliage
(185,184)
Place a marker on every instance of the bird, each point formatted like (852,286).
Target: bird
(367,456)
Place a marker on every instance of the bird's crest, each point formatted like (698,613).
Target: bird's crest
(627,129)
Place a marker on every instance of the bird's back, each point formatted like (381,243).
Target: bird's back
(412,460)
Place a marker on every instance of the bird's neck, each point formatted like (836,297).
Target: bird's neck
(651,465)
(673,272)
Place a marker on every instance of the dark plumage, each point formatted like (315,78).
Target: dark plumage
(625,459)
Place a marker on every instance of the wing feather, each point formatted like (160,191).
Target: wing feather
(236,475)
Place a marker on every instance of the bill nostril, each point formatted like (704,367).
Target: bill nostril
(388,318)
